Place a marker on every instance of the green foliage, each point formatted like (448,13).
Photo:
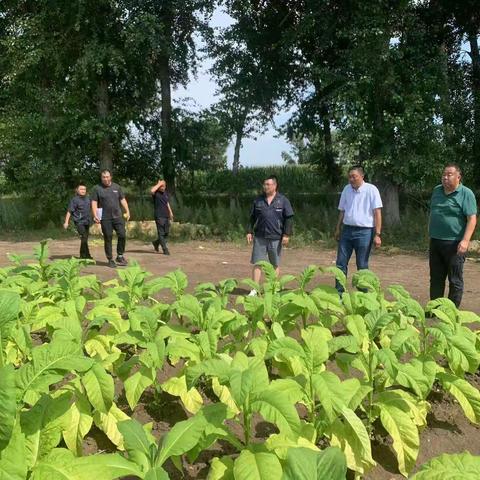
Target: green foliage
(268,358)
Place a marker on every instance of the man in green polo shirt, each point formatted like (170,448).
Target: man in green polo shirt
(453,217)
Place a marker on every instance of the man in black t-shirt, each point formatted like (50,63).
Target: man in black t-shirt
(109,197)
(163,215)
(79,211)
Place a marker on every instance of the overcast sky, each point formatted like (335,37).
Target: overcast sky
(266,149)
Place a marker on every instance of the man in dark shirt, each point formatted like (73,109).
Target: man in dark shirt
(79,211)
(109,197)
(271,222)
(163,215)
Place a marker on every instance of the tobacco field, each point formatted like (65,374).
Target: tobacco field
(322,377)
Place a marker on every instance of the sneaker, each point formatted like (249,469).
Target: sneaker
(112,264)
(120,260)
(155,245)
(166,252)
(253,293)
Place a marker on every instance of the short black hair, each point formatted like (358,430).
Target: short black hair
(454,165)
(272,177)
(81,184)
(105,170)
(358,168)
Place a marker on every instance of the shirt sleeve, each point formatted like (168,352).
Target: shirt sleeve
(121,195)
(71,205)
(342,202)
(252,219)
(94,197)
(470,204)
(376,198)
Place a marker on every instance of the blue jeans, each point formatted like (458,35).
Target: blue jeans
(353,238)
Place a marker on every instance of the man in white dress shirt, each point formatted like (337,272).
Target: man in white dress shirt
(359,222)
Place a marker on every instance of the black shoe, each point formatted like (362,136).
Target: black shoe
(120,260)
(112,264)
(87,257)
(166,252)
(155,244)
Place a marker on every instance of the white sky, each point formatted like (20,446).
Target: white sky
(266,149)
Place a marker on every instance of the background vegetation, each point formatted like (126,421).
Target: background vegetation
(392,85)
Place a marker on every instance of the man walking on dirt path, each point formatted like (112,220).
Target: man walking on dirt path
(271,223)
(359,222)
(109,197)
(163,215)
(453,217)
(79,209)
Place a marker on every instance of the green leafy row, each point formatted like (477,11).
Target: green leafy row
(78,354)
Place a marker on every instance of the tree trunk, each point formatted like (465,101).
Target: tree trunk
(475,56)
(333,172)
(236,167)
(391,203)
(167,161)
(105,147)
(238,146)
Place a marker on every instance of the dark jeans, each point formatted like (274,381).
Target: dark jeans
(358,239)
(163,227)
(83,231)
(108,226)
(446,262)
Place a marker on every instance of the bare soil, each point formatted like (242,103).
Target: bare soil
(448,430)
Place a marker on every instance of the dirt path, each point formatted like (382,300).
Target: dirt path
(212,261)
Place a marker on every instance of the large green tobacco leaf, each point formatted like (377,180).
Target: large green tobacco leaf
(307,464)
(461,466)
(9,308)
(137,383)
(191,398)
(176,281)
(47,360)
(108,423)
(13,465)
(395,415)
(350,435)
(8,404)
(181,438)
(157,473)
(99,387)
(418,374)
(60,464)
(284,348)
(467,396)
(461,352)
(43,425)
(257,466)
(276,407)
(79,423)
(137,443)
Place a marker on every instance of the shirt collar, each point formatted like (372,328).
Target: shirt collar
(359,189)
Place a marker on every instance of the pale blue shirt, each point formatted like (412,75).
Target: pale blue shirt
(358,205)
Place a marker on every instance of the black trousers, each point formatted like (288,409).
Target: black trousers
(163,228)
(108,226)
(83,231)
(446,262)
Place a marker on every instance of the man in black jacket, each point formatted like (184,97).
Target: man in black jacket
(163,215)
(110,198)
(271,222)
